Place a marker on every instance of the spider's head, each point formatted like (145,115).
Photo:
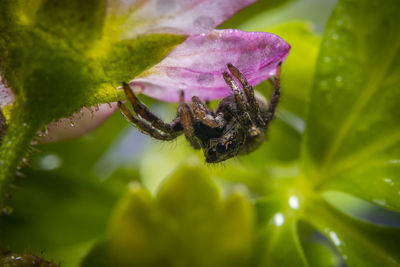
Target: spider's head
(220,149)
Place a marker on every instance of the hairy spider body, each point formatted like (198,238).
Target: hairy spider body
(237,126)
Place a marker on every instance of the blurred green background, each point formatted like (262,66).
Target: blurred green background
(74,195)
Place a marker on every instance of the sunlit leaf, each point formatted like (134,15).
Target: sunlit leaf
(251,11)
(378,184)
(279,243)
(353,118)
(359,243)
(298,71)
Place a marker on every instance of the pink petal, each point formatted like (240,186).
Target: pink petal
(78,124)
(173,16)
(6,95)
(196,66)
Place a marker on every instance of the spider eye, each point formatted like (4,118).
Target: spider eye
(221,147)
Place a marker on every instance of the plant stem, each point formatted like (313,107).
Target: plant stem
(13,148)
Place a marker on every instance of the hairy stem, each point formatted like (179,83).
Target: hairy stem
(13,148)
(3,126)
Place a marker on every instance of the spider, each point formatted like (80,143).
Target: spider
(237,126)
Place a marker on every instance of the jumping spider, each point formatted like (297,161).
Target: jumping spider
(237,126)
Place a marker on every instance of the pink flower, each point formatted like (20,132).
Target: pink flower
(196,66)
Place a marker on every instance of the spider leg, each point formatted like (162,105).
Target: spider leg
(144,112)
(248,89)
(144,126)
(186,116)
(275,96)
(243,116)
(205,115)
(236,92)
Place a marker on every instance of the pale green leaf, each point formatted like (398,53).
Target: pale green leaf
(359,243)
(353,117)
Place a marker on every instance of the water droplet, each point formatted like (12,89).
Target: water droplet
(323,85)
(44,132)
(50,162)
(393,161)
(329,98)
(25,161)
(294,202)
(72,123)
(204,23)
(335,238)
(7,210)
(279,219)
(389,181)
(340,60)
(205,79)
(339,22)
(379,202)
(339,81)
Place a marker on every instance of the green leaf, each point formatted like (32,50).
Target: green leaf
(249,12)
(356,87)
(317,249)
(59,215)
(61,207)
(298,70)
(278,242)
(378,184)
(58,57)
(187,224)
(97,256)
(61,57)
(359,243)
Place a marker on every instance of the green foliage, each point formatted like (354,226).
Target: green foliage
(356,87)
(60,56)
(344,88)
(175,228)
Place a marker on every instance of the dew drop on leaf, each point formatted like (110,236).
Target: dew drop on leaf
(50,162)
(335,238)
(323,85)
(294,202)
(279,219)
(339,81)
